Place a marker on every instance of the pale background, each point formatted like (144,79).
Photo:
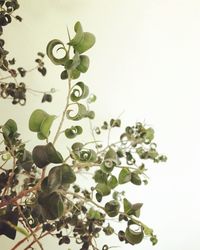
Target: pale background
(146,62)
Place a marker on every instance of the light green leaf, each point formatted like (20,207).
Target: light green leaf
(103,189)
(128,207)
(87,41)
(79,34)
(84,63)
(74,62)
(112,182)
(75,74)
(124,176)
(46,125)
(36,119)
(136,209)
(100,176)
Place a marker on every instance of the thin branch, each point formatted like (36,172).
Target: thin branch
(64,112)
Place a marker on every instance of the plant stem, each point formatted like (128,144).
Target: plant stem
(24,239)
(34,241)
(64,112)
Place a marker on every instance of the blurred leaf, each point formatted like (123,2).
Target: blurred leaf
(73,132)
(75,74)
(124,176)
(112,182)
(112,208)
(9,128)
(68,175)
(84,63)
(100,176)
(133,237)
(128,207)
(87,41)
(135,179)
(92,98)
(73,63)
(136,209)
(36,119)
(103,189)
(54,178)
(79,34)
(46,125)
(64,75)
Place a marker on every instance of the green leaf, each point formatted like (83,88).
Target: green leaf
(124,176)
(100,176)
(147,231)
(46,125)
(108,230)
(84,63)
(136,209)
(73,63)
(79,34)
(154,240)
(103,189)
(68,175)
(87,155)
(111,155)
(50,47)
(149,134)
(135,179)
(36,119)
(55,178)
(73,132)
(77,146)
(80,91)
(9,128)
(92,98)
(87,41)
(128,207)
(112,182)
(112,208)
(94,214)
(133,237)
(80,112)
(75,74)
(115,123)
(90,115)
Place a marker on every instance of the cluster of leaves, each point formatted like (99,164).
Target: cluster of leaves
(49,196)
(14,89)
